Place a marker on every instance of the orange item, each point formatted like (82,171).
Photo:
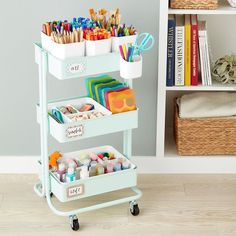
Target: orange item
(122,101)
(53,159)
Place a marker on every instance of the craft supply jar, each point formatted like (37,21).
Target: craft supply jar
(63,51)
(98,47)
(116,41)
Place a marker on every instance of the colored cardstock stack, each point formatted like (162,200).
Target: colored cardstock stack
(112,94)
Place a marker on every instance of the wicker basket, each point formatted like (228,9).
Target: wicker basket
(205,136)
(194,4)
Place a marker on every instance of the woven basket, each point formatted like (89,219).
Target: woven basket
(194,4)
(205,136)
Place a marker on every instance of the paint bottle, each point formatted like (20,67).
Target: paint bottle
(86,162)
(84,173)
(70,175)
(117,167)
(77,173)
(92,171)
(125,165)
(109,168)
(93,156)
(99,169)
(61,172)
(72,163)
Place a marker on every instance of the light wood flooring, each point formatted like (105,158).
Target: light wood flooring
(172,205)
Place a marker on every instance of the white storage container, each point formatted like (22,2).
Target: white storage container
(63,51)
(46,42)
(98,47)
(116,41)
(131,70)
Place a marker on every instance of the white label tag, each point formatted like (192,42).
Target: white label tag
(75,131)
(75,191)
(76,68)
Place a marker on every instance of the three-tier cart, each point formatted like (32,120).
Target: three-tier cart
(49,185)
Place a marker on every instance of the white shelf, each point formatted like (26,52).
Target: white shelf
(214,87)
(223,9)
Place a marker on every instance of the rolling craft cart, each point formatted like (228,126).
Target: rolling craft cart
(49,185)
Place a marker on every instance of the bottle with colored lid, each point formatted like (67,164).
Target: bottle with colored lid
(61,171)
(70,175)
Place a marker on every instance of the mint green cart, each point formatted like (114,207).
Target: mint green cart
(49,185)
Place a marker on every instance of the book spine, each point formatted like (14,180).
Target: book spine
(187,50)
(202,60)
(179,55)
(194,55)
(208,66)
(170,73)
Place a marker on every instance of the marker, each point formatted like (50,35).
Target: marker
(125,52)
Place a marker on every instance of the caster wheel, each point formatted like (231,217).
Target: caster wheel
(134,210)
(51,195)
(75,225)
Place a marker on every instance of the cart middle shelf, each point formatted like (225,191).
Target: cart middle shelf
(72,131)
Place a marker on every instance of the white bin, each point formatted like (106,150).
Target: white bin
(98,47)
(116,41)
(63,51)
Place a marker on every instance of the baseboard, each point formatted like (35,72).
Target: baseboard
(146,164)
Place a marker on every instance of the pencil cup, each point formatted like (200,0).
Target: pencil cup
(69,50)
(63,51)
(131,70)
(46,42)
(116,41)
(98,47)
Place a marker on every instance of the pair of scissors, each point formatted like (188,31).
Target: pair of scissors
(57,115)
(144,42)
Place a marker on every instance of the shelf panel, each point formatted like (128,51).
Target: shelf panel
(80,66)
(223,9)
(214,87)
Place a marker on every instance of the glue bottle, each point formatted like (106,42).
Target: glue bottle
(61,172)
(70,175)
(84,173)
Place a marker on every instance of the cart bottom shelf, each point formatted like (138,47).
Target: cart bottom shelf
(95,185)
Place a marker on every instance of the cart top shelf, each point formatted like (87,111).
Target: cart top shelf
(79,66)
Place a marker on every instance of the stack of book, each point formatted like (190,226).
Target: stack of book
(187,52)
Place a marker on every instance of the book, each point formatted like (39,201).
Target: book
(179,50)
(204,54)
(194,50)
(187,51)
(170,72)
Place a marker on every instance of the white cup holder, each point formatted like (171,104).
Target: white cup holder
(131,70)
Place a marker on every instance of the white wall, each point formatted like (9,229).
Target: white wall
(20,22)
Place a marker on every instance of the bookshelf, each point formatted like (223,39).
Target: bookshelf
(165,145)
(214,87)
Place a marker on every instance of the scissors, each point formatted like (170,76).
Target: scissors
(144,42)
(57,115)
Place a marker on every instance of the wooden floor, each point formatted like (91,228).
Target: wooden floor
(172,205)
